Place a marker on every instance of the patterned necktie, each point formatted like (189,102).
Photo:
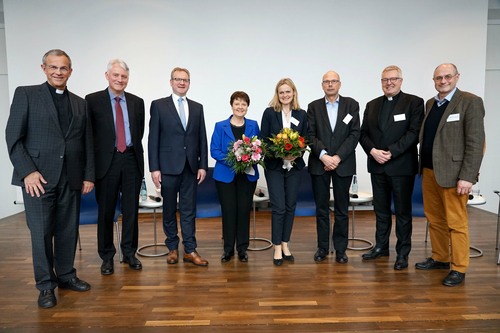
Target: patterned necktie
(182,113)
(121,144)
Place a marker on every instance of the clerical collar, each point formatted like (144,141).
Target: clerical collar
(392,98)
(56,90)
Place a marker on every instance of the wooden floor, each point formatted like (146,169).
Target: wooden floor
(256,296)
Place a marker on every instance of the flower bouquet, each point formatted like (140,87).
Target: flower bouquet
(244,153)
(287,144)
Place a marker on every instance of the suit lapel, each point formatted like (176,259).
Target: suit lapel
(228,131)
(175,114)
(47,100)
(450,108)
(342,112)
(131,116)
(324,114)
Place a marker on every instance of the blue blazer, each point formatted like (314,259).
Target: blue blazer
(221,138)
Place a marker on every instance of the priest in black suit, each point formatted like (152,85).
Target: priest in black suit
(389,136)
(49,141)
(333,131)
(118,126)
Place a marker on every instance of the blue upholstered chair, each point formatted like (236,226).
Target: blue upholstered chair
(88,215)
(207,199)
(306,206)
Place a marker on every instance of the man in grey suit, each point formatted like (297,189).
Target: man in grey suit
(452,143)
(389,136)
(333,131)
(178,161)
(49,140)
(118,126)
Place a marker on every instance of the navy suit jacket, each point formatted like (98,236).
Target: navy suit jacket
(221,138)
(36,142)
(400,137)
(103,126)
(170,145)
(272,123)
(341,141)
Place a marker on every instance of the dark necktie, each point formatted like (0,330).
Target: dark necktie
(121,144)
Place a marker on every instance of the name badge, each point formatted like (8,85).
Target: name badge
(399,117)
(453,117)
(347,119)
(294,121)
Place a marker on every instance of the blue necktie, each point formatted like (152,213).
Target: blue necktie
(182,113)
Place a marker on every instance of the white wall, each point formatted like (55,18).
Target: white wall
(489,179)
(249,46)
(8,193)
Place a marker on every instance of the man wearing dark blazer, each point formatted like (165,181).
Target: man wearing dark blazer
(452,143)
(333,131)
(178,161)
(389,136)
(119,171)
(49,141)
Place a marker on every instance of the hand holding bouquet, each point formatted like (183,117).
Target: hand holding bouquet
(288,144)
(245,153)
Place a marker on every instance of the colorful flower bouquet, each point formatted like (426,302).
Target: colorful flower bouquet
(287,144)
(245,153)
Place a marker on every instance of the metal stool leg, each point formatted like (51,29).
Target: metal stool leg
(254,238)
(155,244)
(357,239)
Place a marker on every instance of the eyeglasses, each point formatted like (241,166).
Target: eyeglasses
(390,79)
(328,82)
(176,79)
(447,77)
(52,69)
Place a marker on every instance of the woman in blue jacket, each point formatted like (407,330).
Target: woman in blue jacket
(235,190)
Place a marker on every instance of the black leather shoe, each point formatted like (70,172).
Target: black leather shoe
(132,262)
(47,299)
(320,255)
(289,258)
(243,256)
(454,278)
(107,267)
(375,253)
(226,257)
(75,284)
(278,262)
(401,263)
(341,257)
(430,263)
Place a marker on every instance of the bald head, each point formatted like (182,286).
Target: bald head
(331,85)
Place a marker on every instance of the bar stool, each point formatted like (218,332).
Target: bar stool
(475,200)
(498,224)
(362,197)
(151,204)
(260,195)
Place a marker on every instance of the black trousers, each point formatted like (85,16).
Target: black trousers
(283,186)
(321,189)
(400,188)
(123,177)
(236,200)
(53,222)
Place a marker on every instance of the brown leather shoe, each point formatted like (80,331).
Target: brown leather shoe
(195,258)
(173,257)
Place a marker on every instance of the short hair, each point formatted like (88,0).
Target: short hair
(239,95)
(393,68)
(275,102)
(57,53)
(118,62)
(179,69)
